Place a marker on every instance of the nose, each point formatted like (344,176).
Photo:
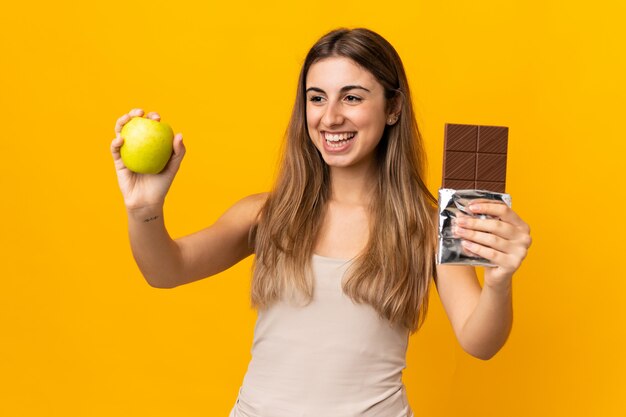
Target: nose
(333,115)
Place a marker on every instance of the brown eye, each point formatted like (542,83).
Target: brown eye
(353,99)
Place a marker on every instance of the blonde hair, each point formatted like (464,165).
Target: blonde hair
(393,272)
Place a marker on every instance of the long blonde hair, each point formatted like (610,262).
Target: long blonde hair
(393,272)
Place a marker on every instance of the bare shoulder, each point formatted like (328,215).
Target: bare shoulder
(247,208)
(239,220)
(221,245)
(255,201)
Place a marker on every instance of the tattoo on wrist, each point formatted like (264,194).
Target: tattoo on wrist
(149,219)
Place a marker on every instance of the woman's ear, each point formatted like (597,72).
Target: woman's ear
(395,107)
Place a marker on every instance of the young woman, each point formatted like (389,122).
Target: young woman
(344,244)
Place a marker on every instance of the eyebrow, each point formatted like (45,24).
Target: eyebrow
(343,89)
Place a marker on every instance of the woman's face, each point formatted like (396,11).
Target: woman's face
(345,111)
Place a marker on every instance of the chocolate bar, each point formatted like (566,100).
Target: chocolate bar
(474,168)
(475,157)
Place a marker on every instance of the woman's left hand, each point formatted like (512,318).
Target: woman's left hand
(503,240)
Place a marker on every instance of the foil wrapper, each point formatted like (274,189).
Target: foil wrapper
(453,204)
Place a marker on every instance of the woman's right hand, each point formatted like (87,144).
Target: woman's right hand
(144,190)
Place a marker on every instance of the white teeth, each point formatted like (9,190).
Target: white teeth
(336,137)
(336,144)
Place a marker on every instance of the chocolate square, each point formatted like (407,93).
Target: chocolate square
(461,165)
(475,157)
(461,138)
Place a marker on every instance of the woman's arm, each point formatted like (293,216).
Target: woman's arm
(482,317)
(167,263)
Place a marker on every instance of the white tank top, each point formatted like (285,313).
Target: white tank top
(331,358)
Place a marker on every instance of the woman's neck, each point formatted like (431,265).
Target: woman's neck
(353,185)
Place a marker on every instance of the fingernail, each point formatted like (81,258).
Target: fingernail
(468,245)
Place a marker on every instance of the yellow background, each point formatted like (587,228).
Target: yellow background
(82,334)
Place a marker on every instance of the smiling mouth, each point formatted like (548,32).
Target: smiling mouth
(337,140)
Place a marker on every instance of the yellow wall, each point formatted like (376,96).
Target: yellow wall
(83,335)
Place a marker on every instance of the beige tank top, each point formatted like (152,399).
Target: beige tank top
(331,358)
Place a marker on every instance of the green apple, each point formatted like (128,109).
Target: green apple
(147,145)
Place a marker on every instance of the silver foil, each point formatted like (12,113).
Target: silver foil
(452,204)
